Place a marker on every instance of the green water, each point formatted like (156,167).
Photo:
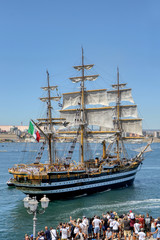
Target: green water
(142,197)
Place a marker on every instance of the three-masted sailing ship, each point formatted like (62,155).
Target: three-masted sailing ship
(115,122)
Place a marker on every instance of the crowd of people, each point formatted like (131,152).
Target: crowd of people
(108,227)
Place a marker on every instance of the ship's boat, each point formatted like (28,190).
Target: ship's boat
(86,117)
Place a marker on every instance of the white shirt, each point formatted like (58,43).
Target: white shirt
(111,222)
(85,221)
(141,235)
(96,222)
(82,226)
(64,233)
(137,227)
(76,230)
(115,225)
(53,234)
(131,215)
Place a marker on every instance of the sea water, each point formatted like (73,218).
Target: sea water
(142,197)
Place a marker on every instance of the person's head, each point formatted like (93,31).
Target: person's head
(42,233)
(108,229)
(46,228)
(147,214)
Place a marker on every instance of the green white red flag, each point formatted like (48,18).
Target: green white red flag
(34,132)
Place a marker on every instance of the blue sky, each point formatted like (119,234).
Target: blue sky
(39,35)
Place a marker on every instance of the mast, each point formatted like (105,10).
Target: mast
(82,105)
(118,115)
(49,121)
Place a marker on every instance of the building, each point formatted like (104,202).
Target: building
(11,128)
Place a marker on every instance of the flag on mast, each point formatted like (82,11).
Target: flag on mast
(34,132)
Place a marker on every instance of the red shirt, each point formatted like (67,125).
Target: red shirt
(141,222)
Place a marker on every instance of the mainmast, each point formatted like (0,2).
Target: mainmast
(81,100)
(83,115)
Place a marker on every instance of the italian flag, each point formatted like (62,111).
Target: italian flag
(34,132)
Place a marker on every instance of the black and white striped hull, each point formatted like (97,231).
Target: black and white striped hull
(70,188)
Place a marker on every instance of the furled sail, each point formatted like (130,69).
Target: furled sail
(92,97)
(125,95)
(45,99)
(85,78)
(127,111)
(121,85)
(87,67)
(50,87)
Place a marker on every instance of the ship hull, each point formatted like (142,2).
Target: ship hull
(81,186)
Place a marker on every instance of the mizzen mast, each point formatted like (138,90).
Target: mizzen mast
(118,115)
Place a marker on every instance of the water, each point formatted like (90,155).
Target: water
(142,197)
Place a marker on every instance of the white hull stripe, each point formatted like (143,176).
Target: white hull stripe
(89,179)
(80,187)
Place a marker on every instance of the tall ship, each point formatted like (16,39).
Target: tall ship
(87,117)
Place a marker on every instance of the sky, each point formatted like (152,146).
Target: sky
(49,34)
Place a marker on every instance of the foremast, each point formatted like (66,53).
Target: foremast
(49,122)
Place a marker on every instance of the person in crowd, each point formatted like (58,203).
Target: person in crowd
(53,233)
(96,225)
(153,227)
(47,234)
(136,229)
(148,221)
(64,232)
(141,234)
(38,235)
(158,222)
(131,215)
(80,235)
(141,221)
(26,237)
(90,228)
(104,224)
(157,232)
(42,236)
(127,228)
(111,214)
(110,222)
(116,228)
(108,234)
(85,223)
